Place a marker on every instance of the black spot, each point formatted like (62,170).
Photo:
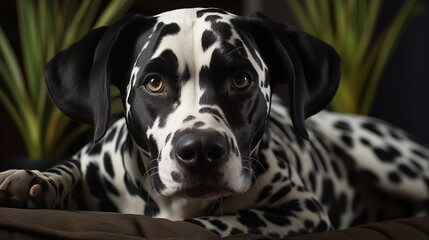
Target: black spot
(169,29)
(420,153)
(250,219)
(129,184)
(151,208)
(338,207)
(365,142)
(264,193)
(95,149)
(212,18)
(394,177)
(277,219)
(200,13)
(208,39)
(188,118)
(372,128)
(97,189)
(176,176)
(347,140)
(223,29)
(262,166)
(407,171)
(311,205)
(220,225)
(168,137)
(120,135)
(110,136)
(194,221)
(416,164)
(319,156)
(336,169)
(322,227)
(107,160)
(387,155)
(140,165)
(276,177)
(312,179)
(395,134)
(369,175)
(185,74)
(281,158)
(328,195)
(212,111)
(309,224)
(198,124)
(236,231)
(344,126)
(280,194)
(110,187)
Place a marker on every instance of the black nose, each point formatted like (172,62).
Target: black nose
(198,147)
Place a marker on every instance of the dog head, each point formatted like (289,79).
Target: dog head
(196,89)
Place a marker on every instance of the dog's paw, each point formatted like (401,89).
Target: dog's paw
(26,189)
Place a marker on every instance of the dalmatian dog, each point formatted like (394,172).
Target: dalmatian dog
(204,139)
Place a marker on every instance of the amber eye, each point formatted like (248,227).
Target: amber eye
(241,81)
(155,84)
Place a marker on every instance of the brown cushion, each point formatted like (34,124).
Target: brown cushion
(55,224)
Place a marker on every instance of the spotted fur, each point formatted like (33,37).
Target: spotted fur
(230,160)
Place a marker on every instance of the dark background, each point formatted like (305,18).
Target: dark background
(402,98)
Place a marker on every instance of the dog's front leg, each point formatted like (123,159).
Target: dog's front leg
(299,215)
(51,189)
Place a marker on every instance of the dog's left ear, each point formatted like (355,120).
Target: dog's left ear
(311,67)
(78,78)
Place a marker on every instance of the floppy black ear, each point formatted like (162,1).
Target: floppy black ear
(78,78)
(311,67)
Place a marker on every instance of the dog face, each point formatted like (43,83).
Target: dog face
(196,89)
(197,100)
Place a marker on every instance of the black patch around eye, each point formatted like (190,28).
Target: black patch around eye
(200,13)
(208,39)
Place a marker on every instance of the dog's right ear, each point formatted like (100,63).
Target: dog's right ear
(78,78)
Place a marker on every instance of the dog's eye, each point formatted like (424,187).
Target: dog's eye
(154,84)
(240,81)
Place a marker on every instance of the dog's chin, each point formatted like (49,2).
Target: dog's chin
(198,192)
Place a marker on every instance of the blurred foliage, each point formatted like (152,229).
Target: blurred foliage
(45,27)
(350,26)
